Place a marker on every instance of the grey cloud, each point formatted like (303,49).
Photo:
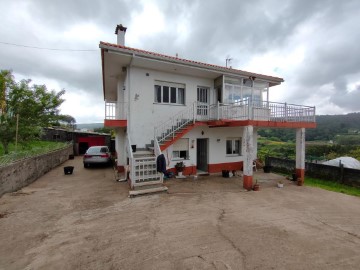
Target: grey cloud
(57,14)
(347,99)
(216,29)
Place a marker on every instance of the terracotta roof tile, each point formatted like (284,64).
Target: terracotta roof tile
(231,70)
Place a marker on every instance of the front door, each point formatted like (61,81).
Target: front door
(202,154)
(202,102)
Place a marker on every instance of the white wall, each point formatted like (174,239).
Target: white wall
(217,149)
(145,113)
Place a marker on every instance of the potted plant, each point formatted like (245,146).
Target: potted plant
(280,184)
(180,166)
(267,167)
(256,187)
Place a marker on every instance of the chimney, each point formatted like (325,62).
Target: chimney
(120,32)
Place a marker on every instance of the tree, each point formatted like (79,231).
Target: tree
(67,121)
(33,105)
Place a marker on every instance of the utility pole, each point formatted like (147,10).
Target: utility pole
(17,131)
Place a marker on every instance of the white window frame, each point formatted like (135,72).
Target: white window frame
(233,146)
(180,91)
(182,145)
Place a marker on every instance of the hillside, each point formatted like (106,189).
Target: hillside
(329,127)
(90,126)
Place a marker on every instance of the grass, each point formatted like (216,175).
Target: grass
(29,149)
(332,186)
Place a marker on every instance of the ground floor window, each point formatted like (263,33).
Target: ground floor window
(181,149)
(233,146)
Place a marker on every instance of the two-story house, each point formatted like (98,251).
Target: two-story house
(202,114)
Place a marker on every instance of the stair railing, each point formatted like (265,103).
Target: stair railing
(169,127)
(131,160)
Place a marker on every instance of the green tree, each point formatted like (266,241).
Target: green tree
(33,105)
(67,121)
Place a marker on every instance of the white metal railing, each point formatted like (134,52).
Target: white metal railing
(157,149)
(168,128)
(144,172)
(242,110)
(265,111)
(116,110)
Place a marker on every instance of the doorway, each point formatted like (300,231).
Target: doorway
(83,146)
(202,155)
(202,102)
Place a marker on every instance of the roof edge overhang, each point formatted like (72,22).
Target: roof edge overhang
(152,56)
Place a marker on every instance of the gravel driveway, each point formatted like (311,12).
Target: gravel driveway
(87,221)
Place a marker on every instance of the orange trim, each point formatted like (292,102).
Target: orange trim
(115,123)
(230,166)
(271,124)
(189,170)
(248,182)
(300,173)
(120,168)
(180,135)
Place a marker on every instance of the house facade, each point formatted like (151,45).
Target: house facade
(204,115)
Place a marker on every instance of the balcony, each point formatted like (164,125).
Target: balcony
(258,111)
(115,114)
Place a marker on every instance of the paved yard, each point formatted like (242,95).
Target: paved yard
(87,221)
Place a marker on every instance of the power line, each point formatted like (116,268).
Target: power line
(43,48)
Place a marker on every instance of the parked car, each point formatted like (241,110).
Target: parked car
(97,155)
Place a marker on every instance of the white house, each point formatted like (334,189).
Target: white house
(203,114)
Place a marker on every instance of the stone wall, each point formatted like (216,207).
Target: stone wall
(22,173)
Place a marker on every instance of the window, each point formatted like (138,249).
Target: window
(233,146)
(169,93)
(181,149)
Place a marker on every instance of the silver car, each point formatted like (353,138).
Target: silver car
(97,155)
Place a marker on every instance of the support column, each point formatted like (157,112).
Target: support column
(300,153)
(248,157)
(120,148)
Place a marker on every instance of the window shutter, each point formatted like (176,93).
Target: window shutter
(181,145)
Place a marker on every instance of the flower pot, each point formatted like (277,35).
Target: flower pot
(180,173)
(280,185)
(68,169)
(256,187)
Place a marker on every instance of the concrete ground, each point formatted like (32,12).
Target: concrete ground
(87,221)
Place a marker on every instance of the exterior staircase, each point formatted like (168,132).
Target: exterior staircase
(144,177)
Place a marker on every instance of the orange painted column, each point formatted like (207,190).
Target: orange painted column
(248,182)
(300,153)
(300,173)
(248,137)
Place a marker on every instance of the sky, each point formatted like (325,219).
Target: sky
(313,44)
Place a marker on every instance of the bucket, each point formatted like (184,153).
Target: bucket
(68,169)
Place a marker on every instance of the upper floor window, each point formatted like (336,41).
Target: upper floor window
(169,93)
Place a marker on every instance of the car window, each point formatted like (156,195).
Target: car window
(97,150)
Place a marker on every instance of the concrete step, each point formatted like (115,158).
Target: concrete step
(137,192)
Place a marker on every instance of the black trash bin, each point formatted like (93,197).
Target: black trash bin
(68,169)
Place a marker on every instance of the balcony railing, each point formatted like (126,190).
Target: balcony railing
(116,110)
(257,110)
